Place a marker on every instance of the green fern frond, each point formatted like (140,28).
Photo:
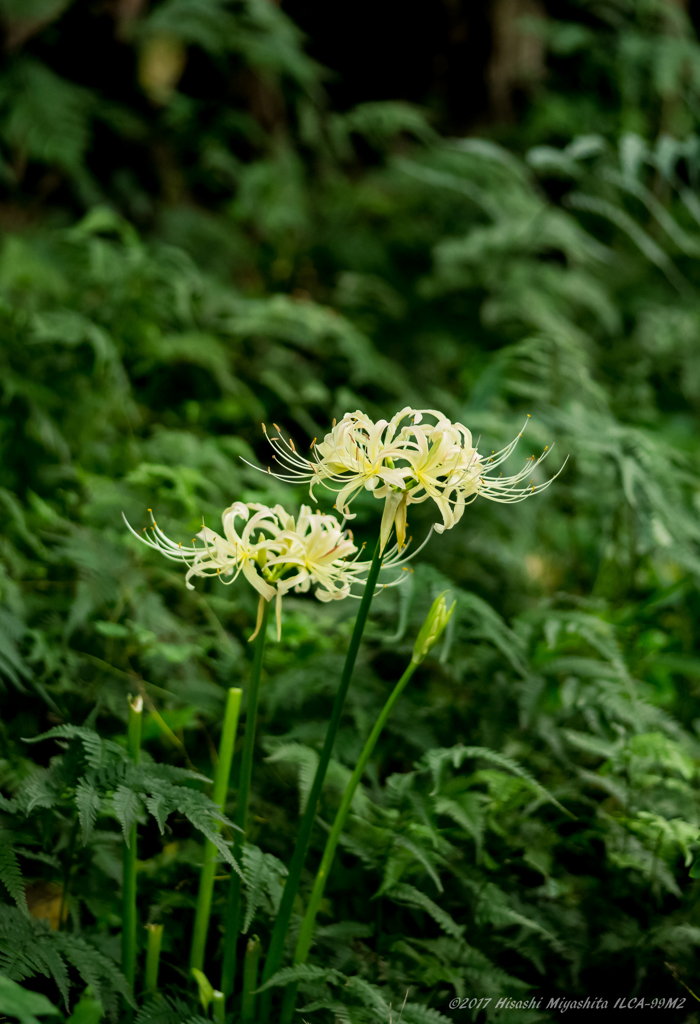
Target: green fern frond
(26,950)
(10,872)
(167,772)
(9,805)
(95,747)
(370,995)
(38,791)
(306,761)
(434,760)
(167,1010)
(29,947)
(97,970)
(126,807)
(413,897)
(87,800)
(414,1013)
(202,813)
(160,805)
(302,973)
(262,874)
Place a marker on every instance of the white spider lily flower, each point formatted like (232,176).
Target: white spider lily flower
(269,547)
(317,549)
(447,468)
(356,454)
(406,460)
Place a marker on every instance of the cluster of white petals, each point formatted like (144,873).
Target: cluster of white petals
(417,455)
(275,552)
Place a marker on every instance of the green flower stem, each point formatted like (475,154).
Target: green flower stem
(218,1007)
(250,979)
(155,938)
(233,923)
(273,959)
(307,926)
(221,781)
(133,744)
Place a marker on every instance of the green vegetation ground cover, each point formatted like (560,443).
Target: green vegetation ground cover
(196,269)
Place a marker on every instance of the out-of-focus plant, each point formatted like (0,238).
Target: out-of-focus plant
(444,274)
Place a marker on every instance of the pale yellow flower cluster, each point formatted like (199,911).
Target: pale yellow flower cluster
(417,455)
(275,552)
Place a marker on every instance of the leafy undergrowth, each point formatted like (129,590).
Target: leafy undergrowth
(528,823)
(131,380)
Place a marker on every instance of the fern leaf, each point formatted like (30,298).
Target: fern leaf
(341,1013)
(466,812)
(26,949)
(9,805)
(160,807)
(302,973)
(126,807)
(166,1010)
(408,894)
(342,933)
(87,800)
(255,875)
(202,813)
(54,966)
(96,970)
(38,791)
(370,995)
(95,747)
(414,1013)
(433,761)
(43,858)
(170,773)
(10,872)
(420,856)
(306,761)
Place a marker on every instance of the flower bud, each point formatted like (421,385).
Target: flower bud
(431,630)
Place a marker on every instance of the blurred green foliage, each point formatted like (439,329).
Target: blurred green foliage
(208,246)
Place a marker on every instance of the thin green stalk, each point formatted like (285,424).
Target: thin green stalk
(221,781)
(233,923)
(218,1007)
(273,959)
(250,979)
(129,855)
(307,925)
(430,632)
(155,939)
(305,935)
